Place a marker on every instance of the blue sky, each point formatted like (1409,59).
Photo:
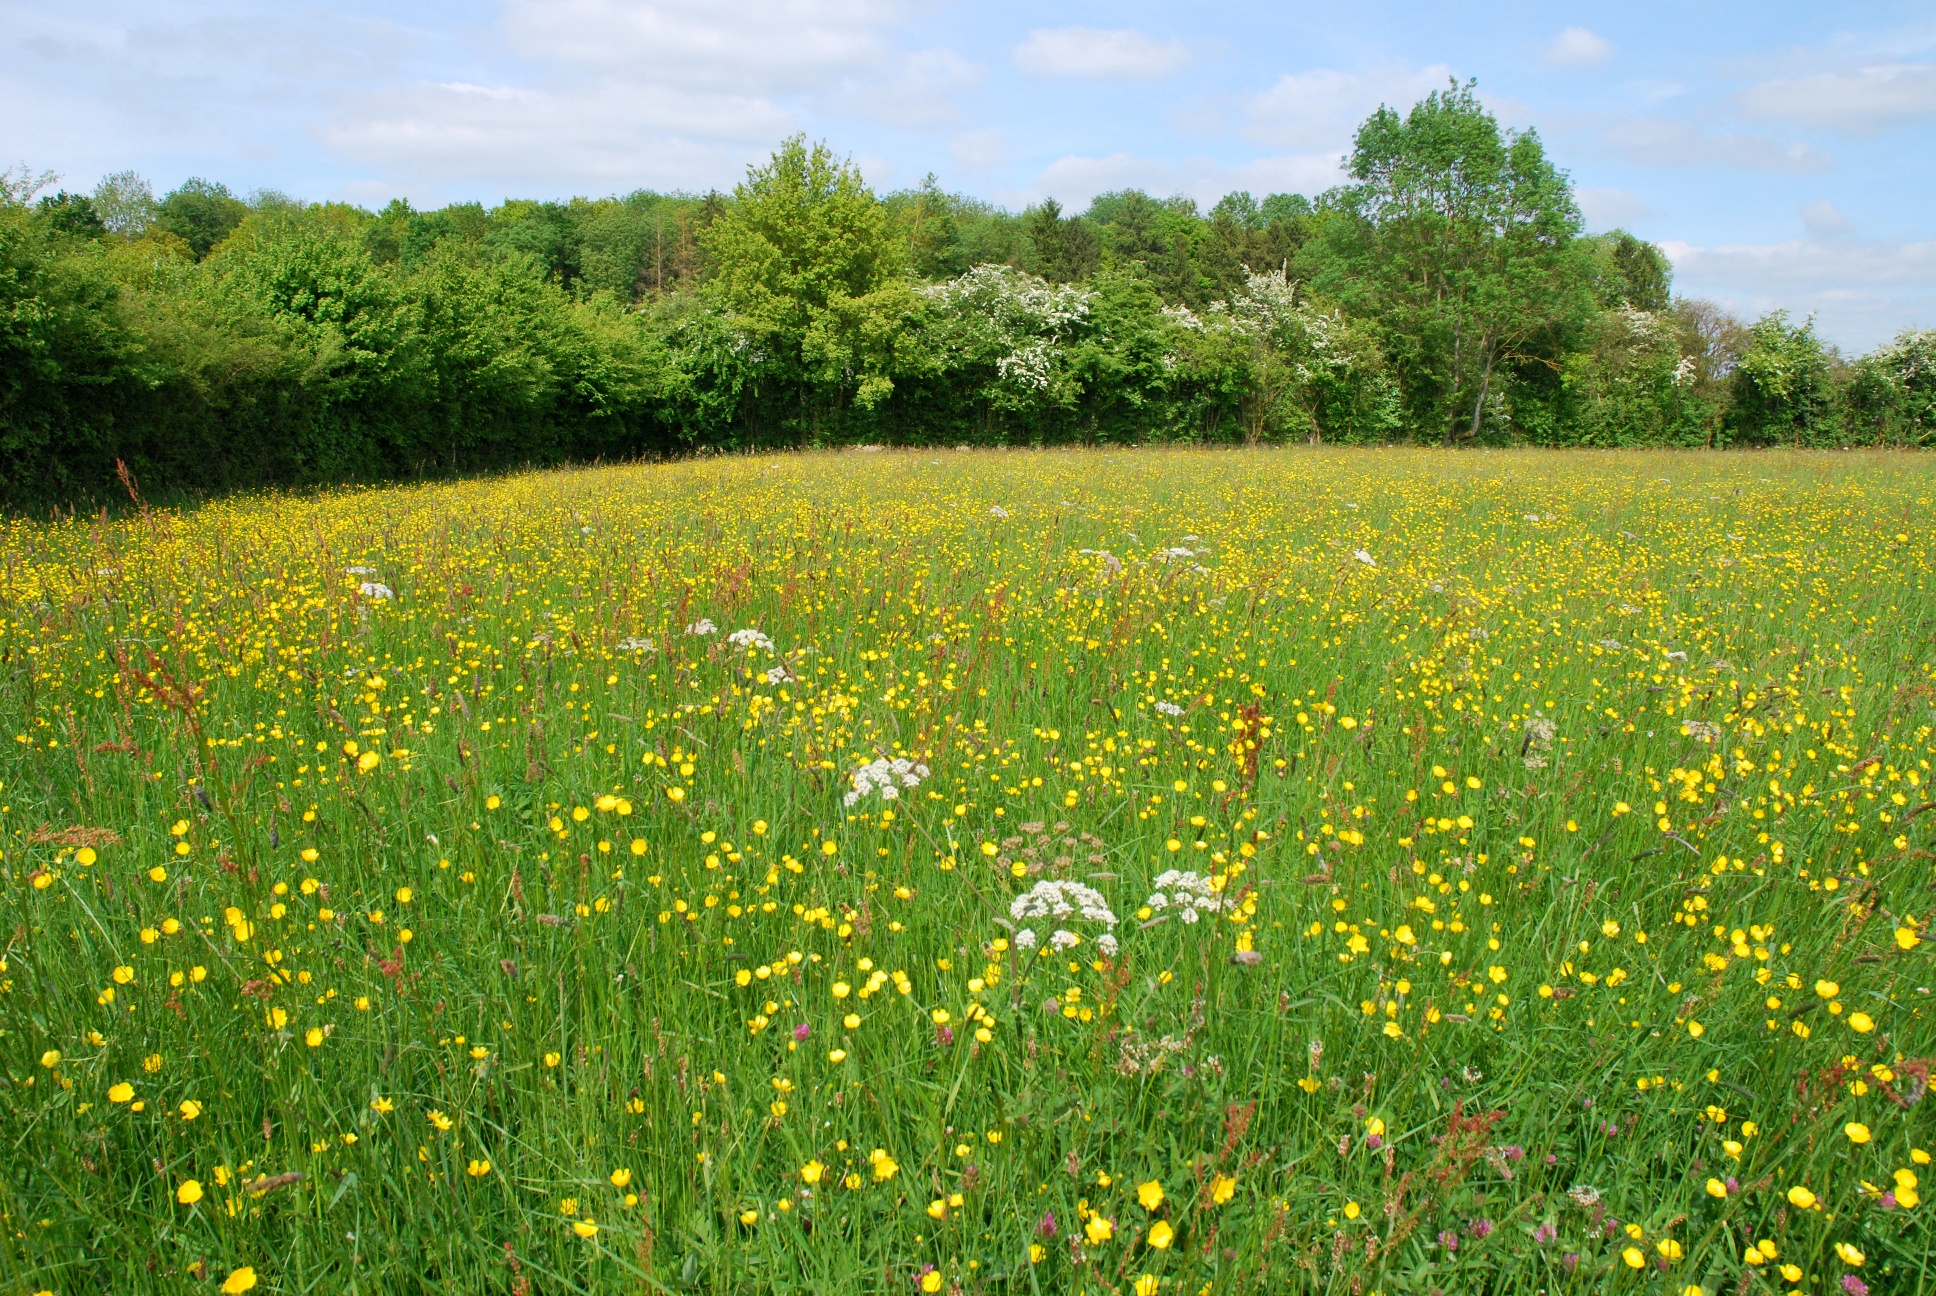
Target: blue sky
(1782,153)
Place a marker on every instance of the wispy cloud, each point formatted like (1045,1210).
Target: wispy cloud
(1863,291)
(1321,108)
(1577,47)
(1606,208)
(1661,142)
(1853,101)
(1095,53)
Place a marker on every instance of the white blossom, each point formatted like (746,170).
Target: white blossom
(1025,939)
(377,590)
(635,644)
(1169,709)
(998,512)
(702,626)
(1364,557)
(1188,893)
(1107,944)
(1063,940)
(750,639)
(887,778)
(1052,899)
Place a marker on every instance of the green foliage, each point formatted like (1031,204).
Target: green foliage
(125,203)
(200,213)
(1630,385)
(72,214)
(1446,295)
(1463,240)
(1782,388)
(1892,393)
(810,273)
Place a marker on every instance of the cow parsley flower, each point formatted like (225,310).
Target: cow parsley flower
(886,777)
(1189,894)
(635,644)
(750,639)
(377,590)
(703,626)
(1169,709)
(1052,899)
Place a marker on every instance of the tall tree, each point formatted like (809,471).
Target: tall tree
(126,203)
(808,266)
(1062,249)
(201,213)
(1464,240)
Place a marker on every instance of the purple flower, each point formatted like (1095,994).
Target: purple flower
(801,1031)
(1047,1227)
(1374,1142)
(1571,1260)
(1888,1200)
(1545,1233)
(1449,1240)
(1613,1226)
(1854,1286)
(1734,1185)
(1479,1228)
(1552,1158)
(945,1034)
(1586,1104)
(1515,1153)
(1612,1129)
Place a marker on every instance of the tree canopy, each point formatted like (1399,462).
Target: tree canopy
(1445,293)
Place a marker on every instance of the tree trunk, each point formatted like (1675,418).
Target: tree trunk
(1479,405)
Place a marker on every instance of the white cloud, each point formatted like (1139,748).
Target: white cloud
(504,139)
(1122,54)
(657,92)
(1607,209)
(1857,101)
(1863,291)
(753,47)
(1075,180)
(1578,47)
(920,90)
(1673,143)
(1320,110)
(1823,219)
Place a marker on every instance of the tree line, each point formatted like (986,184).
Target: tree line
(1447,293)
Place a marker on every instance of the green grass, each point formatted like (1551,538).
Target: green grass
(393,888)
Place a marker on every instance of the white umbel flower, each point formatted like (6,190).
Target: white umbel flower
(886,778)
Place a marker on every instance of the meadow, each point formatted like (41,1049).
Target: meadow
(1101,871)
